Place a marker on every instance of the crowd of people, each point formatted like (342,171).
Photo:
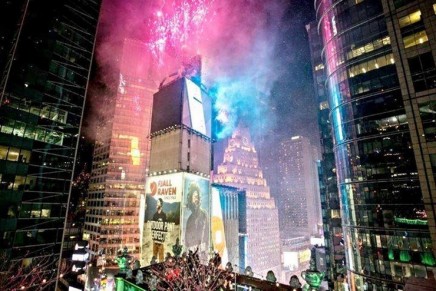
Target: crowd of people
(187,272)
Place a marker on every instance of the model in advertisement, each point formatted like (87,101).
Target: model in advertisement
(161,222)
(158,231)
(197,225)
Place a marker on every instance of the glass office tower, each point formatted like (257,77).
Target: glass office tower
(45,59)
(381,75)
(120,161)
(331,217)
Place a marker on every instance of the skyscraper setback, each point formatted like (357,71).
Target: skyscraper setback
(45,58)
(120,161)
(240,168)
(381,74)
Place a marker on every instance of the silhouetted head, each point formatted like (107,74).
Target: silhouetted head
(194,197)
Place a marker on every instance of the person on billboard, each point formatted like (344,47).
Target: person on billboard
(197,227)
(158,231)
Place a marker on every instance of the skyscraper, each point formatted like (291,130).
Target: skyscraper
(380,62)
(240,168)
(328,188)
(176,205)
(300,206)
(120,161)
(45,58)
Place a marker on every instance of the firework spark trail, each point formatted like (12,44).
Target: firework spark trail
(176,24)
(235,38)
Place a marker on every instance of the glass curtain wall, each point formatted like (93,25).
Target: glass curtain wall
(380,73)
(45,62)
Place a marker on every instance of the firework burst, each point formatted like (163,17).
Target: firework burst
(177,27)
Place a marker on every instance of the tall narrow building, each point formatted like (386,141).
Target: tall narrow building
(240,168)
(381,76)
(45,59)
(331,217)
(120,161)
(300,206)
(176,212)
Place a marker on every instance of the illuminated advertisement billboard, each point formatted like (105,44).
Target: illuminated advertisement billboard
(163,198)
(304,256)
(196,214)
(200,109)
(196,110)
(228,224)
(167,106)
(182,102)
(217,225)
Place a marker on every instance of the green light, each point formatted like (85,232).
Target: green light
(427,258)
(119,283)
(391,254)
(410,221)
(405,256)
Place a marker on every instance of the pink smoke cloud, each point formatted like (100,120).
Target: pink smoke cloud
(236,39)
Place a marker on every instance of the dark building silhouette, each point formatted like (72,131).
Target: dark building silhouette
(45,57)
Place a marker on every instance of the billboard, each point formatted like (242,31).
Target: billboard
(167,106)
(196,110)
(304,256)
(161,229)
(217,225)
(228,223)
(196,214)
(182,102)
(199,109)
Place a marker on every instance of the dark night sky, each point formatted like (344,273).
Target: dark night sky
(293,94)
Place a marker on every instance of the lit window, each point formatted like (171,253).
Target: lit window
(335,31)
(370,65)
(323,105)
(434,8)
(319,67)
(410,19)
(415,39)
(369,47)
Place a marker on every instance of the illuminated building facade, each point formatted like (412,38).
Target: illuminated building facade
(45,59)
(380,62)
(300,206)
(120,162)
(331,217)
(240,168)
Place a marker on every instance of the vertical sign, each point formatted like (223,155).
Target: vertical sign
(162,216)
(217,224)
(196,214)
(196,109)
